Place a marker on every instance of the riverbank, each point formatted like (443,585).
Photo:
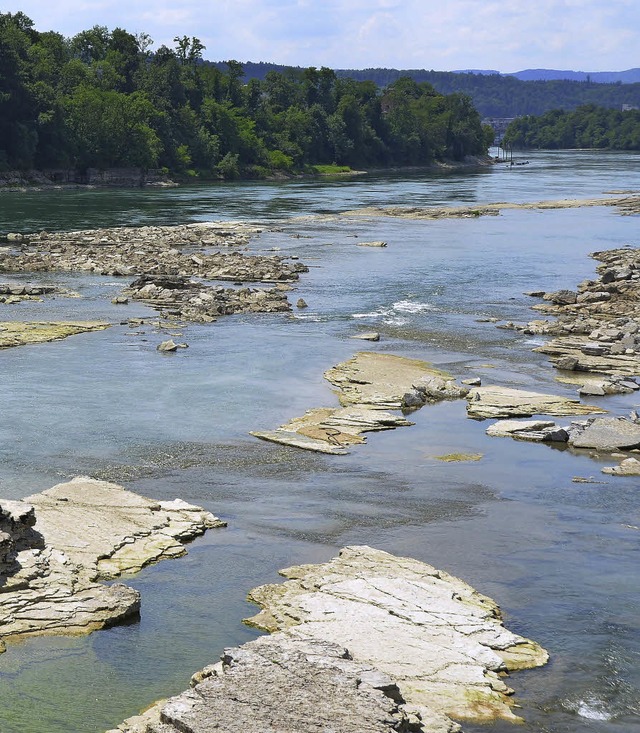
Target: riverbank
(141,178)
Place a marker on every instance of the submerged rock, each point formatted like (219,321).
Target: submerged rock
(62,542)
(366,642)
(369,384)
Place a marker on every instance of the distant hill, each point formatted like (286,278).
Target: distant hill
(630,76)
(493,94)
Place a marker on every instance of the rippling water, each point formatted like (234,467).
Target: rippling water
(561,558)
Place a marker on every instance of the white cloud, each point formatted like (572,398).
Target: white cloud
(589,35)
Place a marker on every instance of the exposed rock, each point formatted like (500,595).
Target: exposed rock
(536,430)
(368,384)
(372,244)
(472,382)
(302,303)
(492,401)
(178,297)
(20,333)
(628,467)
(441,641)
(167,346)
(609,434)
(164,259)
(423,648)
(627,204)
(367,336)
(65,540)
(285,684)
(596,329)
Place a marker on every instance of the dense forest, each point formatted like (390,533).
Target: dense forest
(586,127)
(102,99)
(495,95)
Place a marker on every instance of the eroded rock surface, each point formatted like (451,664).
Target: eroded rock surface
(497,402)
(285,684)
(56,547)
(20,333)
(366,642)
(368,385)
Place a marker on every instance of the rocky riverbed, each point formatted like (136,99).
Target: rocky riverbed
(57,546)
(170,267)
(368,641)
(596,328)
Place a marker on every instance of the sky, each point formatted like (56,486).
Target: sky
(445,35)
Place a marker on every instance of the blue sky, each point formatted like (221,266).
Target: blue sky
(510,35)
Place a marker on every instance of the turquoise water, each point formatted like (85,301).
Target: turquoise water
(560,557)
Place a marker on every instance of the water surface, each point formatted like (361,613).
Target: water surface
(560,557)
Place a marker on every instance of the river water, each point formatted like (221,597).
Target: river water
(560,557)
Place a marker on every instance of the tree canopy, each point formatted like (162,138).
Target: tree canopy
(103,99)
(588,126)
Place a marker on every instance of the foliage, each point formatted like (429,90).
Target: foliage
(586,127)
(493,95)
(103,99)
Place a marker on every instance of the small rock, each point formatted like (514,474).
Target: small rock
(167,346)
(372,244)
(472,382)
(120,300)
(301,303)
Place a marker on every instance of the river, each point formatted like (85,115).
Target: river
(561,558)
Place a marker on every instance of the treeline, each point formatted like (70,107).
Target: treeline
(586,127)
(102,99)
(494,95)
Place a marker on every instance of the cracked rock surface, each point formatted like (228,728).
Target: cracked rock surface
(56,547)
(367,642)
(368,385)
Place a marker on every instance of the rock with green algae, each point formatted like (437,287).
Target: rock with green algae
(21,333)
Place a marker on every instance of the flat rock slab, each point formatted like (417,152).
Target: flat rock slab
(85,531)
(20,333)
(502,402)
(609,434)
(368,385)
(439,639)
(367,642)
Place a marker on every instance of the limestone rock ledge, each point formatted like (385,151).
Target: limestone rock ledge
(367,385)
(503,402)
(20,333)
(56,547)
(366,642)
